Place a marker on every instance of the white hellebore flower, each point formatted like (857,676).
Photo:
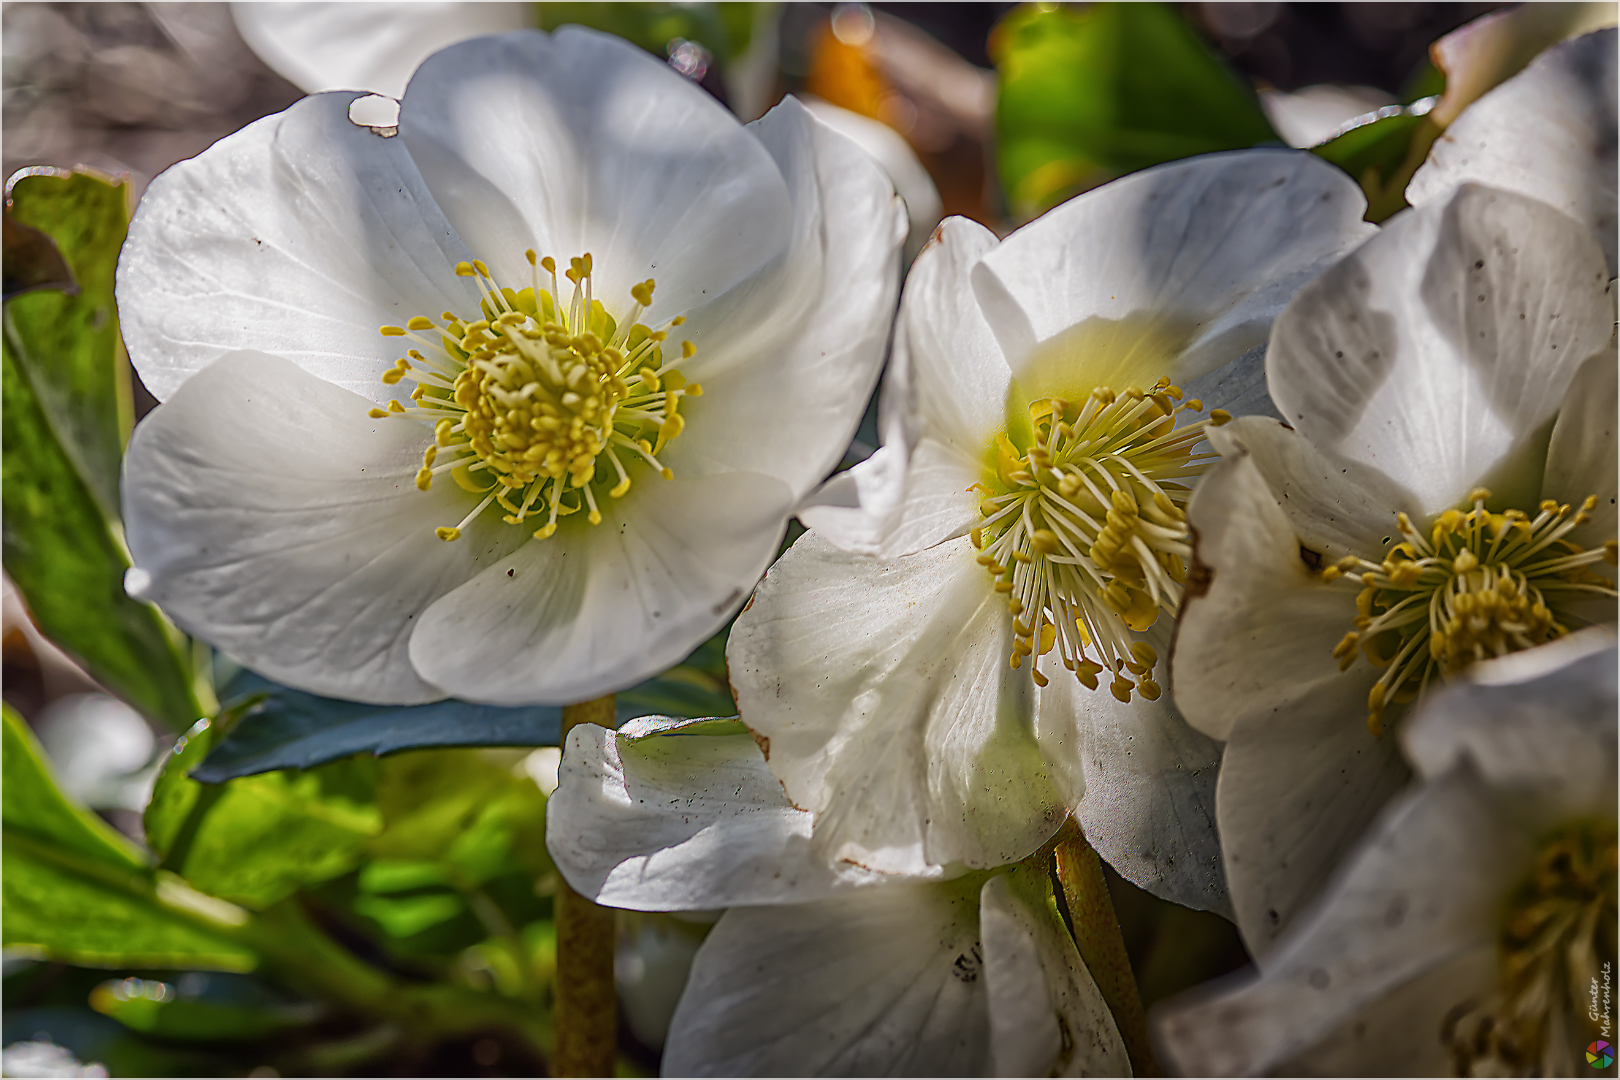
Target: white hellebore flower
(1446,493)
(1472,931)
(565,244)
(818,969)
(950,700)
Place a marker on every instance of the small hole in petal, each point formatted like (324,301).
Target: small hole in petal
(380,114)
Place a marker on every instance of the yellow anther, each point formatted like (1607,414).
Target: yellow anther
(391,331)
(1040,680)
(1195,404)
(429,454)
(545,530)
(1465,561)
(1045,541)
(1219,417)
(1004,586)
(1144,654)
(424,479)
(464,269)
(441,431)
(549,265)
(393,375)
(377,414)
(1479,495)
(1048,638)
(395,407)
(1121,689)
(694,389)
(643,293)
(1148,689)
(1015,606)
(447,532)
(1331,574)
(1124,501)
(688,350)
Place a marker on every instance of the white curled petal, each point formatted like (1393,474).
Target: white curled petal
(935,501)
(1581,458)
(297,236)
(788,360)
(580,142)
(1258,633)
(1540,723)
(272,517)
(891,151)
(1174,270)
(886,981)
(594,609)
(1548,132)
(1424,889)
(680,819)
(1335,507)
(884,690)
(359,46)
(1040,990)
(1439,349)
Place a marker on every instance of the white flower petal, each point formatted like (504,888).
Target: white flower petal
(887,981)
(1173,270)
(1438,350)
(790,357)
(1540,722)
(944,398)
(1581,459)
(360,46)
(1548,132)
(886,146)
(580,142)
(274,519)
(1425,888)
(884,690)
(1047,1017)
(594,609)
(297,236)
(1335,507)
(674,818)
(1149,783)
(1259,636)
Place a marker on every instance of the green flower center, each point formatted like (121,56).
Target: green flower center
(1560,926)
(528,400)
(1480,585)
(1085,530)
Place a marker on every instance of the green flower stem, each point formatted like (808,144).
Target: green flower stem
(587,1034)
(1097,935)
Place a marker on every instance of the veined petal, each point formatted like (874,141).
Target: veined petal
(1148,780)
(884,690)
(297,236)
(1548,132)
(886,981)
(677,816)
(1260,633)
(1439,349)
(1173,271)
(1538,722)
(1424,889)
(594,609)
(270,516)
(580,142)
(359,46)
(856,510)
(789,358)
(1047,1017)
(1582,454)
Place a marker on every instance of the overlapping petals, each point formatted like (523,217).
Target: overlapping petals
(298,237)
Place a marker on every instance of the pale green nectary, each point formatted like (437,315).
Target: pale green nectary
(511,404)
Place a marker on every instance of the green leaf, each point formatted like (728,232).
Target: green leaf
(283,728)
(1091,94)
(723,29)
(75,890)
(259,839)
(62,556)
(68,342)
(1381,156)
(32,261)
(153,1008)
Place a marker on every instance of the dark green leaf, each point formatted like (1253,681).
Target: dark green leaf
(1381,156)
(77,891)
(283,728)
(32,261)
(62,556)
(723,29)
(259,839)
(153,1008)
(69,344)
(1091,94)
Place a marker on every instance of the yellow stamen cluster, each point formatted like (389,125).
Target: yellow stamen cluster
(1086,531)
(1480,584)
(1559,929)
(527,400)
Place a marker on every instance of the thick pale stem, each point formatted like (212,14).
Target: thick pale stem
(1097,935)
(586,1028)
